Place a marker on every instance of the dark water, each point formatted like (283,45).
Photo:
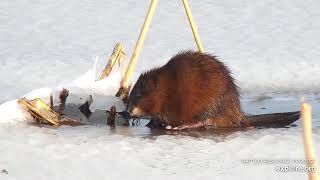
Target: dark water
(260,104)
(137,128)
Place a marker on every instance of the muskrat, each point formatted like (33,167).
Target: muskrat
(192,90)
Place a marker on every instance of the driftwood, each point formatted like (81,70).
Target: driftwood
(72,114)
(40,111)
(44,114)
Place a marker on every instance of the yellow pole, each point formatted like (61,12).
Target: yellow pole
(138,46)
(307,137)
(193,25)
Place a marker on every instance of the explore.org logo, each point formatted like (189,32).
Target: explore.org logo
(285,165)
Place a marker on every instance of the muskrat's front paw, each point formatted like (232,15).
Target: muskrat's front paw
(181,127)
(187,126)
(168,127)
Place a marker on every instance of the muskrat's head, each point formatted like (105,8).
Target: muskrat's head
(144,97)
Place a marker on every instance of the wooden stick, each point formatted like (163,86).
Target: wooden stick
(116,57)
(192,25)
(307,137)
(40,111)
(138,46)
(112,116)
(63,98)
(51,101)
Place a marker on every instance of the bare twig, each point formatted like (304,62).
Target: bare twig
(51,102)
(116,57)
(63,98)
(112,116)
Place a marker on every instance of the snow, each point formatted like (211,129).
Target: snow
(99,153)
(270,46)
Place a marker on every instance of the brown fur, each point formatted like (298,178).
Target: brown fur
(191,89)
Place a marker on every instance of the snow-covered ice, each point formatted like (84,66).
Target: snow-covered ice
(96,153)
(271,46)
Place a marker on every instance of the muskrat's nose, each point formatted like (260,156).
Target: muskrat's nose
(135,111)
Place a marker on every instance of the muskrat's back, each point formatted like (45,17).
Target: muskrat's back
(193,89)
